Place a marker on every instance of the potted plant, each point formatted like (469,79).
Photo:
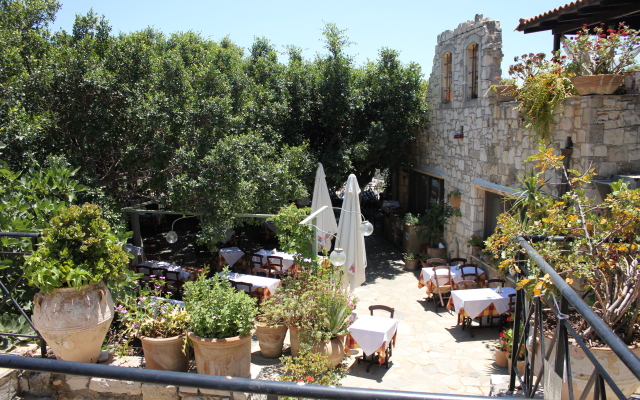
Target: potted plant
(632,79)
(161,325)
(271,328)
(78,256)
(598,57)
(410,261)
(455,198)
(505,88)
(410,241)
(475,242)
(433,222)
(602,253)
(220,322)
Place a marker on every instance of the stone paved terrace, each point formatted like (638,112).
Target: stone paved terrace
(432,354)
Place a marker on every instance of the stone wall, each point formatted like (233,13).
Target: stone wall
(605,131)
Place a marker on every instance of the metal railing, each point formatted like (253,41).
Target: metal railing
(529,314)
(8,292)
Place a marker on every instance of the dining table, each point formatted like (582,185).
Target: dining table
(262,287)
(372,334)
(230,255)
(153,264)
(483,302)
(427,277)
(287,259)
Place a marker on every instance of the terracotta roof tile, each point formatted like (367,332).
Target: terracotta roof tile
(525,22)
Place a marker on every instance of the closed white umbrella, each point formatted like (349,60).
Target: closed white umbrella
(326,221)
(350,238)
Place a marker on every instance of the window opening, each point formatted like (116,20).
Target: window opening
(446,76)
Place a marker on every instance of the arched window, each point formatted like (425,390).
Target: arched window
(472,71)
(446,76)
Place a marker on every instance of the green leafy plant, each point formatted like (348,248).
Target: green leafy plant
(78,249)
(311,367)
(506,342)
(433,222)
(409,256)
(601,51)
(454,193)
(475,240)
(293,237)
(216,309)
(545,85)
(410,219)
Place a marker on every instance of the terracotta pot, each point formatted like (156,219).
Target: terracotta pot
(294,340)
(581,369)
(223,357)
(505,92)
(333,350)
(632,82)
(596,84)
(455,201)
(74,322)
(271,339)
(520,366)
(165,354)
(475,250)
(501,359)
(435,252)
(410,265)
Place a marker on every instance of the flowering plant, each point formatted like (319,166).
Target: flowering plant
(601,52)
(506,341)
(154,316)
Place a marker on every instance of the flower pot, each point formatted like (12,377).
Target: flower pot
(436,252)
(501,358)
(520,365)
(596,84)
(410,265)
(222,357)
(505,93)
(271,339)
(294,340)
(455,201)
(165,354)
(632,82)
(74,322)
(333,350)
(475,250)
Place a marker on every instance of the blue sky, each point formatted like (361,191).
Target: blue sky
(408,26)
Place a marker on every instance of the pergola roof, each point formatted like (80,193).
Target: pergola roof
(571,17)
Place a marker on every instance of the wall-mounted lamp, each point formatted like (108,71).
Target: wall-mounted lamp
(172,236)
(460,134)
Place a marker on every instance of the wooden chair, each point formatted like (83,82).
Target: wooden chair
(262,272)
(432,262)
(498,282)
(173,284)
(444,284)
(255,261)
(243,287)
(457,261)
(145,279)
(470,276)
(274,263)
(391,343)
(502,321)
(466,268)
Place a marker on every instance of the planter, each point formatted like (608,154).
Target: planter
(222,357)
(632,82)
(475,250)
(410,265)
(294,340)
(436,252)
(455,201)
(165,354)
(596,84)
(506,93)
(333,350)
(271,339)
(74,322)
(501,359)
(520,366)
(581,369)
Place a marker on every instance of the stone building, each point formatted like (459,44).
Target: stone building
(477,145)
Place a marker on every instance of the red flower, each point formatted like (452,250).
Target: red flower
(501,334)
(299,380)
(310,379)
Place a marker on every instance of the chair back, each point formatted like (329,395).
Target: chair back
(466,284)
(173,284)
(469,268)
(275,263)
(145,279)
(262,272)
(457,261)
(470,276)
(432,262)
(442,277)
(255,261)
(390,310)
(242,287)
(497,282)
(512,303)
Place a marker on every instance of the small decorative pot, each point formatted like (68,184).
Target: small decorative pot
(596,84)
(455,201)
(410,265)
(165,354)
(475,250)
(271,339)
(501,358)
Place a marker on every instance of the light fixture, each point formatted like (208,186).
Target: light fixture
(366,228)
(172,236)
(337,257)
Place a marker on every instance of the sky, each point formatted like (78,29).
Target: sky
(408,26)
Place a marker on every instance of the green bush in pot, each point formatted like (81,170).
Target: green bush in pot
(220,321)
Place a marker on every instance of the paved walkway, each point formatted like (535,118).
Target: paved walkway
(432,354)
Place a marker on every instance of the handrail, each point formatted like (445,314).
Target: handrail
(604,332)
(217,382)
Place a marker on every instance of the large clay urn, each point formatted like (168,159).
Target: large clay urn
(294,340)
(222,357)
(333,350)
(165,354)
(74,322)
(271,339)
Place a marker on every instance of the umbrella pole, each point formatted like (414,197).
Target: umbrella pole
(314,242)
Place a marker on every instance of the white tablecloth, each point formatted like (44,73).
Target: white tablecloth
(168,266)
(255,280)
(456,274)
(474,301)
(287,259)
(231,254)
(371,332)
